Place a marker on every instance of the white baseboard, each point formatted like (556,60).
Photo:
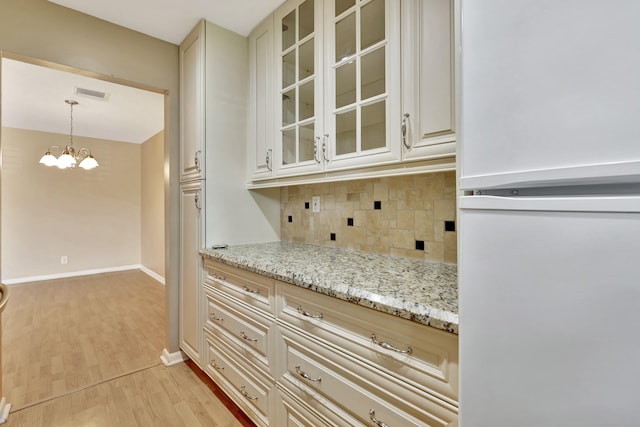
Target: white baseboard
(172,358)
(140,267)
(152,274)
(69,274)
(4,410)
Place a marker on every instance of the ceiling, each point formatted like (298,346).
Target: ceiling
(33,98)
(172,20)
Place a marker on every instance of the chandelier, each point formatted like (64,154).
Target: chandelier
(69,157)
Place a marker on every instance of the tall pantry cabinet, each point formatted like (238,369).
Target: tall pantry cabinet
(192,183)
(215,206)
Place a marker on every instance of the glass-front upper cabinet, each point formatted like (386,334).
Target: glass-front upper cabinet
(363,82)
(299,109)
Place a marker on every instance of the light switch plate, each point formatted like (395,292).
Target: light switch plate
(315,204)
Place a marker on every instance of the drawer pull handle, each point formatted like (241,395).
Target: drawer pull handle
(307,314)
(245,394)
(245,337)
(216,276)
(219,368)
(212,316)
(388,346)
(372,417)
(306,376)
(253,291)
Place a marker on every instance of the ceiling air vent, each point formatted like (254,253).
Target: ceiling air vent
(93,94)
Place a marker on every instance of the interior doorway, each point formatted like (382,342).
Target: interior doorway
(76,228)
(81,221)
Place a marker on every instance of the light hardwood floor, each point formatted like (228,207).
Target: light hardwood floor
(85,351)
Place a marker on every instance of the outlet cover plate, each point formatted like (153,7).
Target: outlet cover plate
(315,204)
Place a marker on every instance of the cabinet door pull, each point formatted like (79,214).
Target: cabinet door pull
(307,314)
(306,376)
(372,417)
(405,118)
(246,338)
(324,147)
(315,149)
(212,316)
(196,160)
(388,346)
(268,159)
(217,276)
(196,199)
(252,291)
(245,394)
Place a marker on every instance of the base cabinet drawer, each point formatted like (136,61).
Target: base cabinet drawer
(297,409)
(250,288)
(247,388)
(325,375)
(246,330)
(423,356)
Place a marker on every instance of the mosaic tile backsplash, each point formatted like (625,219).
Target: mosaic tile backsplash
(412,216)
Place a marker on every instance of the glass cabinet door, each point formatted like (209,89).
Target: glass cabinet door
(300,90)
(363,80)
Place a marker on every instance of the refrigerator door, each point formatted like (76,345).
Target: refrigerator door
(549,311)
(550,92)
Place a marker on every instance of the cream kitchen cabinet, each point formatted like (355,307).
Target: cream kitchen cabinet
(299,97)
(240,338)
(336,101)
(261,95)
(214,100)
(290,356)
(429,58)
(360,364)
(191,238)
(359,84)
(192,120)
(362,89)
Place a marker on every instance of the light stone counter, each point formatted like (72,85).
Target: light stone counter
(422,291)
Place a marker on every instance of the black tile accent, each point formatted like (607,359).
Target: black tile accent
(420,245)
(306,205)
(449,226)
(333,236)
(377,204)
(290,219)
(350,222)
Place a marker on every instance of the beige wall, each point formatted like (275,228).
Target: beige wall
(413,207)
(41,29)
(152,205)
(92,217)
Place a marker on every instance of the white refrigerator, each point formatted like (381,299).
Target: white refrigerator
(549,223)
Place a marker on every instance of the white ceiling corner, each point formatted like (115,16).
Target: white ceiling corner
(172,20)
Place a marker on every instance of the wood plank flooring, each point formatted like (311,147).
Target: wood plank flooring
(87,348)
(157,396)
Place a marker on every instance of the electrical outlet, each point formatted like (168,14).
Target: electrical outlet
(64,259)
(315,204)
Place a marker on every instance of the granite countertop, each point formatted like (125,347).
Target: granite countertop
(422,291)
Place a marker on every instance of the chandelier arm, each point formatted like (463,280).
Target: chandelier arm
(86,152)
